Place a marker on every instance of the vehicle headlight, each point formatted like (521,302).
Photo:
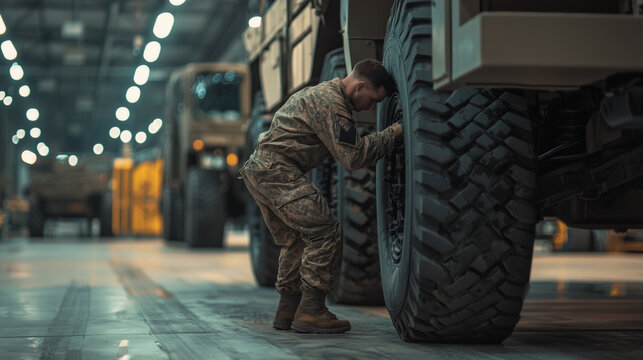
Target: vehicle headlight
(213,162)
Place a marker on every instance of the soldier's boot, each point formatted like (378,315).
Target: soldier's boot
(286,309)
(312,316)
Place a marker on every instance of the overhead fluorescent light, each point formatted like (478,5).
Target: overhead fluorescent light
(8,50)
(163,25)
(3,27)
(73,30)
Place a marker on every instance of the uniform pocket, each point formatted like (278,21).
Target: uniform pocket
(261,170)
(295,195)
(290,173)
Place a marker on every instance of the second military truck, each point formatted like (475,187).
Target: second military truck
(208,106)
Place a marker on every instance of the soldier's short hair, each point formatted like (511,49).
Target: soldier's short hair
(373,71)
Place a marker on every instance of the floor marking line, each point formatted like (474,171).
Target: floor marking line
(72,317)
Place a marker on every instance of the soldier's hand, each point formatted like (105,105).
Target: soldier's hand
(398,130)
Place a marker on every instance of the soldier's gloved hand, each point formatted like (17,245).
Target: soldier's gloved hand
(398,133)
(398,130)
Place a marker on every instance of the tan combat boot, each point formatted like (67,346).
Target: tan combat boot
(312,316)
(286,311)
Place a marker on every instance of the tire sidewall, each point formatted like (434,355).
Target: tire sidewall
(395,277)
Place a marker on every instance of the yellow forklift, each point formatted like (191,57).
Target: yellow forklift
(136,194)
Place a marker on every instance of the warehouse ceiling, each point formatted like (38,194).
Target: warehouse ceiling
(79,58)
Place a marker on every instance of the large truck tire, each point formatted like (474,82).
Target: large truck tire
(36,220)
(264,253)
(172,214)
(359,281)
(204,208)
(456,206)
(351,194)
(105,215)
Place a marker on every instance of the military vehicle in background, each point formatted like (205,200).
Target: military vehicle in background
(13,215)
(512,111)
(59,190)
(208,106)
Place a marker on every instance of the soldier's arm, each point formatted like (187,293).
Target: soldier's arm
(353,151)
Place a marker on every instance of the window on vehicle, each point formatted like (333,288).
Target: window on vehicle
(216,94)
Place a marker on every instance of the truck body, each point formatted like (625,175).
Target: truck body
(59,190)
(512,111)
(208,106)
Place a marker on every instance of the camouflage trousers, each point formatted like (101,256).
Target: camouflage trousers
(300,221)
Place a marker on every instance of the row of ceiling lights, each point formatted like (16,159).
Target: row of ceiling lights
(152,51)
(162,28)
(17,73)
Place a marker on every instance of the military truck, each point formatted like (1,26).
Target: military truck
(208,106)
(59,190)
(512,111)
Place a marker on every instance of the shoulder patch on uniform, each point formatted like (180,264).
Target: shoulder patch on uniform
(347,133)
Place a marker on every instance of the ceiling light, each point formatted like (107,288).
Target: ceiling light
(21,133)
(73,160)
(24,91)
(126,136)
(152,51)
(133,94)
(35,132)
(14,139)
(8,50)
(254,22)
(141,74)
(43,149)
(141,137)
(155,126)
(98,149)
(3,27)
(2,94)
(16,71)
(177,2)
(72,29)
(114,132)
(7,100)
(122,113)
(33,114)
(29,157)
(163,25)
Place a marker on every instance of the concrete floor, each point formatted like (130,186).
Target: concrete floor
(90,298)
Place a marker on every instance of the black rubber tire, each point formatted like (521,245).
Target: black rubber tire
(324,177)
(205,206)
(351,195)
(264,253)
(359,282)
(172,214)
(458,269)
(105,215)
(36,220)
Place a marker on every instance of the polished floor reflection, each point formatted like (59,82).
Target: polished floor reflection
(91,298)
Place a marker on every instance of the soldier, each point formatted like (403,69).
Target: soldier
(314,122)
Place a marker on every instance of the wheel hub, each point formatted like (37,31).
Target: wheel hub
(395,186)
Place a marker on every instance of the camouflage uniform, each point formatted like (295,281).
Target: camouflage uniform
(314,122)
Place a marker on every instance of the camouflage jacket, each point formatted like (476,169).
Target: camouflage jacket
(317,121)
